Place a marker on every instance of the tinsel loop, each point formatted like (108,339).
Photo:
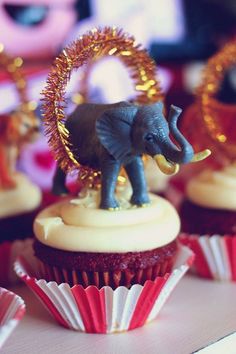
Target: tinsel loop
(90,47)
(215,116)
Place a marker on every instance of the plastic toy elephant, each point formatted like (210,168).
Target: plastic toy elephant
(108,136)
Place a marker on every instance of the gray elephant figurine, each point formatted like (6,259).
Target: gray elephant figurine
(109,136)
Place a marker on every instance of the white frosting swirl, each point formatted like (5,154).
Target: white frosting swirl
(78,225)
(214,189)
(23,198)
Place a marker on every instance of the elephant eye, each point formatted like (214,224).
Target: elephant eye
(149,138)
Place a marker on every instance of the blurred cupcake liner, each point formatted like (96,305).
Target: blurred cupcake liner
(215,255)
(12,309)
(9,251)
(106,310)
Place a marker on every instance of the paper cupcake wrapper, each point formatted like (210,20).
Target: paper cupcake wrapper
(215,255)
(12,309)
(106,310)
(9,251)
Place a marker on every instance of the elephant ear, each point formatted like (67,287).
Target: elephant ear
(113,130)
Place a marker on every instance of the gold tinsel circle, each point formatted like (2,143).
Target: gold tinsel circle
(212,77)
(13,66)
(89,47)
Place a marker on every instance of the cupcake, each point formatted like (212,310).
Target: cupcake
(19,197)
(107,260)
(208,216)
(98,271)
(78,243)
(18,208)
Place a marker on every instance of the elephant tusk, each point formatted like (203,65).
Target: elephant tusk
(165,166)
(199,156)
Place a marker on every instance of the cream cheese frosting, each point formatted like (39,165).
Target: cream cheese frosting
(23,198)
(214,189)
(79,225)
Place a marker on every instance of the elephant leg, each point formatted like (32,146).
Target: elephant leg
(135,172)
(59,182)
(109,170)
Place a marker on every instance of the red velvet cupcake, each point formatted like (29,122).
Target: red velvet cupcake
(103,271)
(19,205)
(108,265)
(208,217)
(18,208)
(78,243)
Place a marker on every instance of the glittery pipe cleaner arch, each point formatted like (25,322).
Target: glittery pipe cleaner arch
(213,75)
(94,45)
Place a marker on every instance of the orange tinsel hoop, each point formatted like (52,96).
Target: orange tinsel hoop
(14,68)
(93,46)
(217,118)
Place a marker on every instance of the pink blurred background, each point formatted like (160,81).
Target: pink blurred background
(179,34)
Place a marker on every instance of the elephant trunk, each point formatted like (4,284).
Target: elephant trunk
(172,156)
(169,161)
(185,152)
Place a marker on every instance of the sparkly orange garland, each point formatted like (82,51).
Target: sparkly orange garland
(212,77)
(90,47)
(14,68)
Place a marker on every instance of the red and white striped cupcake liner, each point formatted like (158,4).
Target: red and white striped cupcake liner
(215,255)
(104,310)
(9,251)
(12,309)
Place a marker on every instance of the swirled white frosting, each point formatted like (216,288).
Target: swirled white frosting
(214,189)
(23,198)
(79,225)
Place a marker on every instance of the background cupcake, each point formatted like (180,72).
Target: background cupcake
(19,197)
(208,216)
